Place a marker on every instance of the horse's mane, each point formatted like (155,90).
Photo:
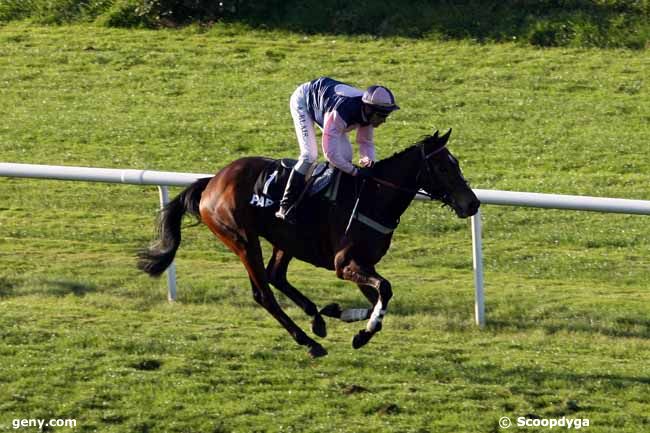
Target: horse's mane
(425,139)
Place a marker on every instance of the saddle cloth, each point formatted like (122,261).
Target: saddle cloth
(270,184)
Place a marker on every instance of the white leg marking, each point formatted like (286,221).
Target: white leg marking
(354,314)
(376,317)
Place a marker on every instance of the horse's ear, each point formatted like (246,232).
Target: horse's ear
(445,138)
(435,136)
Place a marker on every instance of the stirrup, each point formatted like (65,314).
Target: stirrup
(289,216)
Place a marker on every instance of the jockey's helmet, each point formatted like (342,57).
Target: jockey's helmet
(380,99)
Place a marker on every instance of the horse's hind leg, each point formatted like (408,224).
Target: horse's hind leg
(252,259)
(247,247)
(276,272)
(353,314)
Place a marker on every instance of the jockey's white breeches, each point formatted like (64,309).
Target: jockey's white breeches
(304,124)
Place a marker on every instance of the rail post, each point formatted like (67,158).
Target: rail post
(477,259)
(171,270)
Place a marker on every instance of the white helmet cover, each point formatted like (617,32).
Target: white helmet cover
(380,98)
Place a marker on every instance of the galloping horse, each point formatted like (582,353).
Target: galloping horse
(350,236)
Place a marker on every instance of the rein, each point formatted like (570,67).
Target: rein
(396,187)
(376,225)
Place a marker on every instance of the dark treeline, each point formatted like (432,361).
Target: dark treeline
(599,23)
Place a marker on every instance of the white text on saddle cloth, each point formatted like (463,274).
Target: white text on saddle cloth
(261,201)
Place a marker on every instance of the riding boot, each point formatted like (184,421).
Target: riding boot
(292,192)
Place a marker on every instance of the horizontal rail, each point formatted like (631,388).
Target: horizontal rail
(169,178)
(111,175)
(560,201)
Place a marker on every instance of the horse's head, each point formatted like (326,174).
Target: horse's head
(442,178)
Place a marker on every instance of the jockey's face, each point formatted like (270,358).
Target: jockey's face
(376,117)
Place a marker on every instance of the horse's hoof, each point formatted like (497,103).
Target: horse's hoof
(318,326)
(332,310)
(361,339)
(317,351)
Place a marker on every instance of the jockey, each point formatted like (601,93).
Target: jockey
(337,108)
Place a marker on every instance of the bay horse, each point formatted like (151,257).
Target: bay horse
(350,236)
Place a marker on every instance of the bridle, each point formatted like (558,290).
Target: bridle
(429,173)
(383,228)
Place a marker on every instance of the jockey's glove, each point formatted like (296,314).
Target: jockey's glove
(364,172)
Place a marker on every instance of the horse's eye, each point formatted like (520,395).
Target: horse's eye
(443,168)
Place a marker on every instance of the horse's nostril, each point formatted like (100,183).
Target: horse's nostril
(472,208)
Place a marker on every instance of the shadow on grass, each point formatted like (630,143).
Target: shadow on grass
(65,287)
(531,377)
(59,288)
(625,327)
(456,314)
(7,287)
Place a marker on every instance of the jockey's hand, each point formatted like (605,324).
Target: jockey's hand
(364,172)
(366,162)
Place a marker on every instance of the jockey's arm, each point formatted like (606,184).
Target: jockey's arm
(365,140)
(336,145)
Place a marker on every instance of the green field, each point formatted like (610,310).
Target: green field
(84,335)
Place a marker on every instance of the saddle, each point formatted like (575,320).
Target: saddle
(271,182)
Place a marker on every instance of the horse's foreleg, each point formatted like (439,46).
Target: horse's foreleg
(276,272)
(374,324)
(368,279)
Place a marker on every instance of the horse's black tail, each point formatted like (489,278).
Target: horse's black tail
(155,259)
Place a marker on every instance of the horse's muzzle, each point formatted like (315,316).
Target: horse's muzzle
(469,209)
